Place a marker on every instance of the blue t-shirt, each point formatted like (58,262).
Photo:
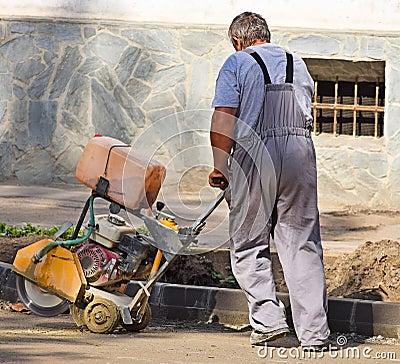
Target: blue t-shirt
(240,83)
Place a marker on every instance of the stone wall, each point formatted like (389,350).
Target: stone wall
(64,81)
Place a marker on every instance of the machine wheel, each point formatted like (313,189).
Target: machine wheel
(137,326)
(101,316)
(78,315)
(38,300)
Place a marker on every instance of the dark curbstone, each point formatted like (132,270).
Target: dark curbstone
(8,291)
(340,312)
(174,296)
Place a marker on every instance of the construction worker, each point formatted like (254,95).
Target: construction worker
(262,148)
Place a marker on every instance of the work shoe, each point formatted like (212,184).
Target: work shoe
(317,348)
(258,337)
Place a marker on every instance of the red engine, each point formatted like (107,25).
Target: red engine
(100,265)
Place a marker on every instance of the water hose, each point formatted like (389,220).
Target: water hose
(38,256)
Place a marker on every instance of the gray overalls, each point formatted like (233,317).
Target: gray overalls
(273,188)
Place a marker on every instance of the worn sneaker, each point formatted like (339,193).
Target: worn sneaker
(258,337)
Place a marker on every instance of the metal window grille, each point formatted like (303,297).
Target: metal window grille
(350,108)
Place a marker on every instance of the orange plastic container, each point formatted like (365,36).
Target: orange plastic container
(133,180)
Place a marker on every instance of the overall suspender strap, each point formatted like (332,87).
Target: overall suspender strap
(289,68)
(267,78)
(258,59)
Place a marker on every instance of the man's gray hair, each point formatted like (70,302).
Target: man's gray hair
(248,27)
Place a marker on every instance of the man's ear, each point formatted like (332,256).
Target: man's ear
(237,43)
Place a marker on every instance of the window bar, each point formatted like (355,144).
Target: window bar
(315,106)
(335,108)
(355,109)
(376,108)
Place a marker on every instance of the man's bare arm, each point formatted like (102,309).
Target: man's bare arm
(221,135)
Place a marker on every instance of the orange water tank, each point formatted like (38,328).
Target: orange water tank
(131,179)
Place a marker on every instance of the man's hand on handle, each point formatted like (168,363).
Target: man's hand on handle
(217,179)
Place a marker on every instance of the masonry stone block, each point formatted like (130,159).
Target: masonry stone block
(49,57)
(2,31)
(395,175)
(64,71)
(392,87)
(5,65)
(39,86)
(180,94)
(393,145)
(360,159)
(19,111)
(67,162)
(22,28)
(68,33)
(161,40)
(24,71)
(91,64)
(315,44)
(106,78)
(127,63)
(5,160)
(145,69)
(166,59)
(77,100)
(161,115)
(378,165)
(159,101)
(22,142)
(350,46)
(392,120)
(108,47)
(199,82)
(46,42)
(199,42)
(108,117)
(89,32)
(376,46)
(46,28)
(34,167)
(391,54)
(18,49)
(367,185)
(3,111)
(73,123)
(138,90)
(42,122)
(5,87)
(134,113)
(169,77)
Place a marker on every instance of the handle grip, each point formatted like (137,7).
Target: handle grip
(217,180)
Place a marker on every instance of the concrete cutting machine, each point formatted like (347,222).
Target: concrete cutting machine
(89,274)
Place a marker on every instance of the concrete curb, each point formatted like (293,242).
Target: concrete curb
(229,307)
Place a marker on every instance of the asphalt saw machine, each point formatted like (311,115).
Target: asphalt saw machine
(89,274)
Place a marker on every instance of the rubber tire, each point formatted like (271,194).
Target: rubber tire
(138,326)
(29,301)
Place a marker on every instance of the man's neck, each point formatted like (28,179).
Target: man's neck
(258,42)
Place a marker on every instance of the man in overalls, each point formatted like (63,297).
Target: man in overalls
(262,147)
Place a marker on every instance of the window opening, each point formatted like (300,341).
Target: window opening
(349,97)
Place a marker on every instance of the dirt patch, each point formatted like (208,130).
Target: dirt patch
(9,246)
(371,272)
